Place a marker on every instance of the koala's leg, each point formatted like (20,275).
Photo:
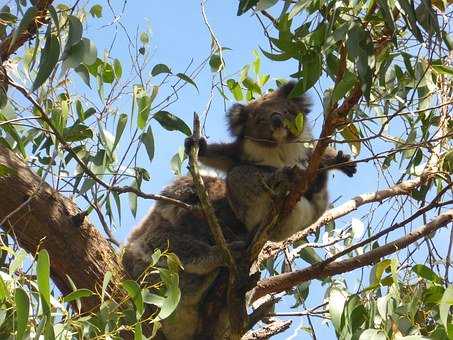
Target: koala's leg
(249,194)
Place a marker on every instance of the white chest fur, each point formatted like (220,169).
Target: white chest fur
(282,155)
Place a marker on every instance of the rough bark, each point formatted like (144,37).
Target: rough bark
(6,48)
(38,217)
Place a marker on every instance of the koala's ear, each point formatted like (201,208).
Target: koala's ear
(285,90)
(237,117)
(300,103)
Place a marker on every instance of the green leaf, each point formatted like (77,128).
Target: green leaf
(133,199)
(311,71)
(372,334)
(96,11)
(22,310)
(309,255)
(176,162)
(216,63)
(107,138)
(82,71)
(187,79)
(43,277)
(18,261)
(409,10)
(138,333)
(84,51)
(77,294)
(343,86)
(352,136)
(122,120)
(387,14)
(117,68)
(170,122)
(148,140)
(245,5)
(337,301)
(144,38)
(251,85)
(444,305)
(235,89)
(426,273)
(265,4)
(77,132)
(105,283)
(49,58)
(27,19)
(276,57)
(133,290)
(160,68)
(172,294)
(443,69)
(74,32)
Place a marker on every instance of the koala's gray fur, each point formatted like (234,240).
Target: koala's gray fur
(258,167)
(188,236)
(258,162)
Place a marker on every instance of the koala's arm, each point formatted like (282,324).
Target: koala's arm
(220,156)
(334,159)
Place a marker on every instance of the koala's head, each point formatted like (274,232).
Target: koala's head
(267,120)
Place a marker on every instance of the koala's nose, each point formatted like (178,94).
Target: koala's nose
(276,120)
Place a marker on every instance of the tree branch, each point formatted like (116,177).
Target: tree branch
(236,307)
(51,221)
(6,49)
(403,188)
(285,281)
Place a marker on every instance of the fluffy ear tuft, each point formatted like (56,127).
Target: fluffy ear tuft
(300,103)
(286,89)
(237,117)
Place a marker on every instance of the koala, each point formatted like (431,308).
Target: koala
(259,166)
(186,234)
(260,163)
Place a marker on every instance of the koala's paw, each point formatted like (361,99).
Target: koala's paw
(190,141)
(344,164)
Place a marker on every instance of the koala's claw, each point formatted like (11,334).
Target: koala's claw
(190,141)
(350,168)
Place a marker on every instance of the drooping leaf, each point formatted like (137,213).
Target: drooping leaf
(26,20)
(122,120)
(245,5)
(148,140)
(43,277)
(74,32)
(49,58)
(160,68)
(444,306)
(82,71)
(78,294)
(171,122)
(117,68)
(187,79)
(105,283)
(426,273)
(22,310)
(352,136)
(133,290)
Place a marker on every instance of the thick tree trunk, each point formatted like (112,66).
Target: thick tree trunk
(38,217)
